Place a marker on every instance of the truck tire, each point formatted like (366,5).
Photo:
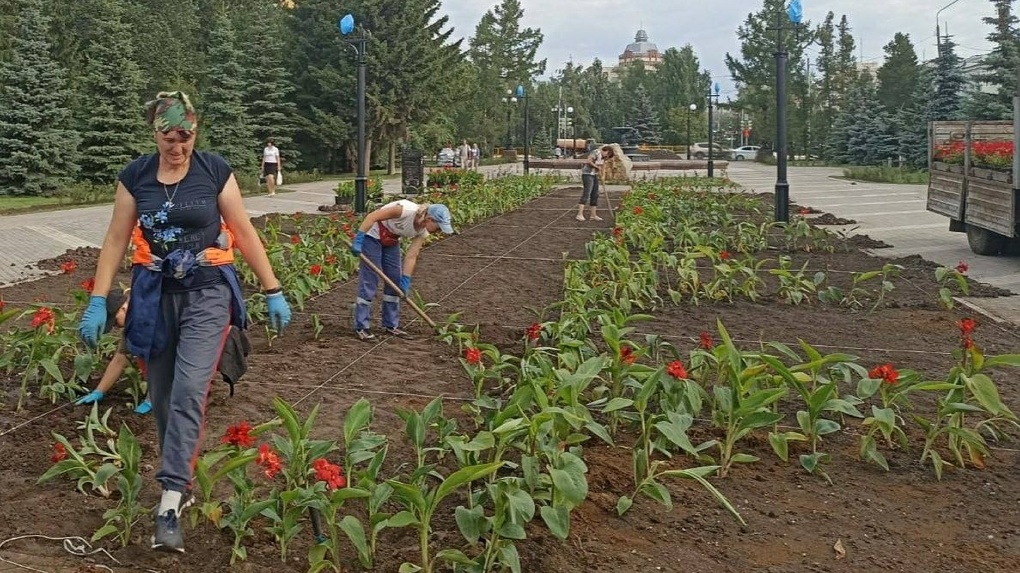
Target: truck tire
(984,242)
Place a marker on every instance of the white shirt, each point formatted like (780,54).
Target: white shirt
(402,226)
(271,154)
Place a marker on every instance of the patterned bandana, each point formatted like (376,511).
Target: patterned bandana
(171,111)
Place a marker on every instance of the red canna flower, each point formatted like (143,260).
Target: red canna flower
(617,232)
(473,355)
(297,216)
(706,340)
(652,196)
(269,460)
(68,267)
(295,239)
(88,284)
(638,210)
(334,217)
(804,211)
(676,370)
(884,372)
(239,435)
(966,326)
(2,304)
(43,316)
(725,255)
(962,267)
(627,355)
(59,452)
(332,474)
(315,270)
(534,331)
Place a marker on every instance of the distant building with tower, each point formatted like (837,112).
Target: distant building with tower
(640,50)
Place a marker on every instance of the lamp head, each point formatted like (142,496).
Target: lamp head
(715,88)
(570,109)
(694,107)
(520,91)
(346,24)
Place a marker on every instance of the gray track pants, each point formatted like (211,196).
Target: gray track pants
(180,377)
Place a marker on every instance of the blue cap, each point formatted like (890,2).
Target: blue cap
(441,215)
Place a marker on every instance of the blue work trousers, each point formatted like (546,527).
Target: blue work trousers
(387,259)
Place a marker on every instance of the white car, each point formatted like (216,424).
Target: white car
(745,152)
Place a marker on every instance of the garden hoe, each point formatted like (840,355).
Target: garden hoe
(400,291)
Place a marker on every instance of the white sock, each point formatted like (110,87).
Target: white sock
(170,500)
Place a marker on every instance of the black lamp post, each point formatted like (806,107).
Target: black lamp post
(713,93)
(523,97)
(573,130)
(693,107)
(782,208)
(508,100)
(346,25)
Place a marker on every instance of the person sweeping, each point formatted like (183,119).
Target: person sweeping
(378,238)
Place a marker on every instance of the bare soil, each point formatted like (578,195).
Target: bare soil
(499,275)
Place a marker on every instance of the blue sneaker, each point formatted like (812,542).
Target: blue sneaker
(168,536)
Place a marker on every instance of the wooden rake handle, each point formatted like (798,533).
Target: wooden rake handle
(400,291)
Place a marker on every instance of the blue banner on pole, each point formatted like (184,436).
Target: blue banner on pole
(346,24)
(795,12)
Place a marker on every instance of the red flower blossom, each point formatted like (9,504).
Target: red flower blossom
(676,370)
(617,232)
(297,216)
(332,474)
(962,267)
(627,355)
(43,316)
(269,460)
(534,331)
(804,211)
(706,340)
(725,255)
(59,452)
(884,372)
(295,239)
(239,435)
(88,284)
(334,217)
(68,267)
(315,270)
(652,196)
(966,326)
(2,304)
(638,210)
(473,355)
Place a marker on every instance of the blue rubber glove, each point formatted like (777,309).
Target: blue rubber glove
(91,398)
(279,311)
(358,243)
(93,321)
(144,408)
(405,283)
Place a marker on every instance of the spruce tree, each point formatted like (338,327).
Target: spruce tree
(643,120)
(541,145)
(1000,65)
(897,78)
(949,83)
(108,106)
(39,146)
(913,119)
(223,122)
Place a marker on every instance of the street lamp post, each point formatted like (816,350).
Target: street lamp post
(508,100)
(523,97)
(693,107)
(713,93)
(573,129)
(782,208)
(359,44)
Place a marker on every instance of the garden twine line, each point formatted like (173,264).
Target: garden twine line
(74,545)
(29,421)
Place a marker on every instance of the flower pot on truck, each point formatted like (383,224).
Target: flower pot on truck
(972,181)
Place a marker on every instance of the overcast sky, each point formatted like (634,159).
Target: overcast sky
(585,29)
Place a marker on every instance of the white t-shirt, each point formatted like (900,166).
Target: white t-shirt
(271,154)
(402,226)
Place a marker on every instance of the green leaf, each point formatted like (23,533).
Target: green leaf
(522,505)
(1002,360)
(779,445)
(408,568)
(867,387)
(569,479)
(810,461)
(52,369)
(105,472)
(105,530)
(557,519)
(623,504)
(463,476)
(824,427)
(401,519)
(870,453)
(658,492)
(744,458)
(985,392)
(454,556)
(508,557)
(358,417)
(617,404)
(356,533)
(472,522)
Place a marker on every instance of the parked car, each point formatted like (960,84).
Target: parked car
(700,151)
(745,152)
(448,158)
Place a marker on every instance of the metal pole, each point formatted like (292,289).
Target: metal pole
(711,164)
(361,179)
(506,147)
(527,149)
(782,186)
(1016,135)
(688,134)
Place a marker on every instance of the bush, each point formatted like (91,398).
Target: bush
(86,193)
(346,188)
(448,176)
(885,174)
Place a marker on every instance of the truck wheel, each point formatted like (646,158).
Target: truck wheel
(984,242)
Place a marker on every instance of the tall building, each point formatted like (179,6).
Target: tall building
(642,51)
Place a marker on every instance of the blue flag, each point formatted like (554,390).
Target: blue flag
(795,12)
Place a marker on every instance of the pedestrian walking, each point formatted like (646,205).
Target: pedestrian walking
(476,156)
(590,182)
(185,291)
(465,155)
(272,166)
(378,238)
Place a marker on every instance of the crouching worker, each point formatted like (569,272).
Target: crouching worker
(378,238)
(116,312)
(185,292)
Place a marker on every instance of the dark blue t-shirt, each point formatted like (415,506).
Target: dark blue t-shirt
(185,215)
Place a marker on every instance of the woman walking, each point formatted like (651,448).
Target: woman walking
(185,291)
(378,238)
(271,165)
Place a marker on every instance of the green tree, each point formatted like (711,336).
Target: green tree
(1000,67)
(643,119)
(897,78)
(913,120)
(603,97)
(167,50)
(864,133)
(541,144)
(8,27)
(837,70)
(679,81)
(40,146)
(109,102)
(224,122)
(949,83)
